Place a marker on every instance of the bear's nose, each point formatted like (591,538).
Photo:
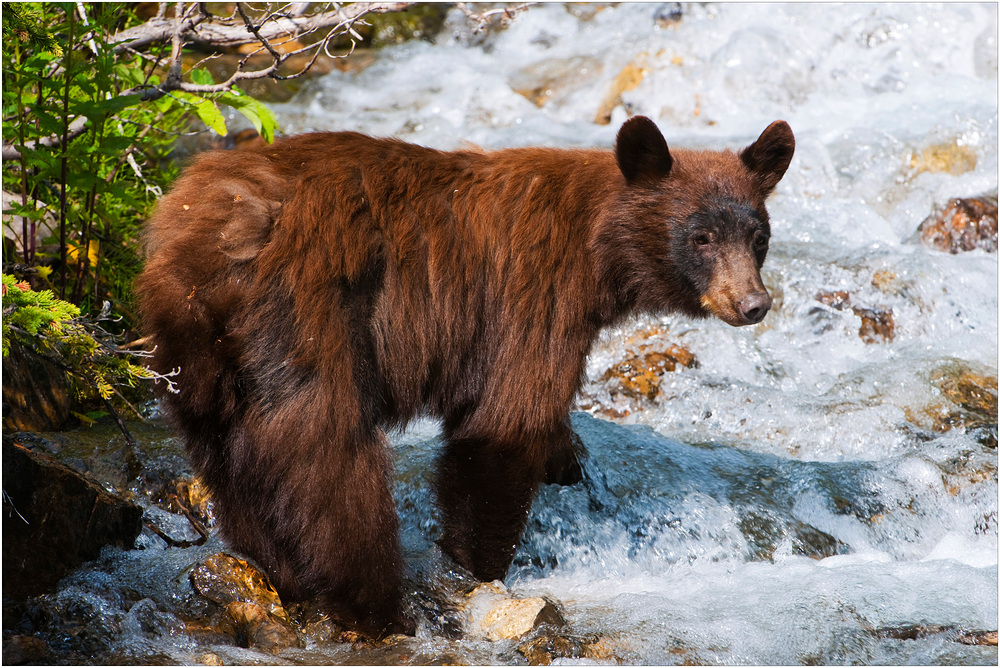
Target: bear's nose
(754,307)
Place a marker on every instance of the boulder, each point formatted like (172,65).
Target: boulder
(19,650)
(35,392)
(493,613)
(55,519)
(251,611)
(225,579)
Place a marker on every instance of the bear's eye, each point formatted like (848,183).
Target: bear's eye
(759,240)
(702,239)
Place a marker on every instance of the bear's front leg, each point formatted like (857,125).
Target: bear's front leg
(566,451)
(485,489)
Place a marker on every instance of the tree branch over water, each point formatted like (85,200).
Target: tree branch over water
(282,31)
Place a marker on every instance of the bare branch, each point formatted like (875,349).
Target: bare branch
(76,128)
(482,19)
(198,29)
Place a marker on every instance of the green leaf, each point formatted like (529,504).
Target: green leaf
(201,76)
(211,115)
(115,104)
(255,111)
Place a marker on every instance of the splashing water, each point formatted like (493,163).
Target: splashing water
(798,492)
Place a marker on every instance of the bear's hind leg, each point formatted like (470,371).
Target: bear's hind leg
(327,519)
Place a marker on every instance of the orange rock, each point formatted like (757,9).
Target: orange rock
(837,299)
(628,79)
(876,324)
(963,225)
(640,377)
(953,158)
(224,579)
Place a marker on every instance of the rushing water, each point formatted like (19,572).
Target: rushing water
(793,495)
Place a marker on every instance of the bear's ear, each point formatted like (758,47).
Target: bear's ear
(642,152)
(769,156)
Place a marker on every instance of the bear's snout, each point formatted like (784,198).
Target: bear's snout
(754,307)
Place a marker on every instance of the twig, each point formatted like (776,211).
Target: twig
(131,450)
(138,343)
(195,25)
(483,18)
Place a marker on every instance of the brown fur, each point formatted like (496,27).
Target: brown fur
(319,290)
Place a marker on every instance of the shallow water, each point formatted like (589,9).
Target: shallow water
(794,495)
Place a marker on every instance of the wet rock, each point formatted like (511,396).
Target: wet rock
(949,157)
(640,376)
(35,393)
(919,631)
(542,651)
(668,14)
(55,519)
(764,534)
(627,80)
(809,541)
(978,638)
(251,612)
(974,392)
(877,324)
(225,579)
(257,628)
(554,79)
(315,624)
(20,650)
(964,224)
(971,403)
(492,612)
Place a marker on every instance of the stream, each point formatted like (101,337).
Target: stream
(818,489)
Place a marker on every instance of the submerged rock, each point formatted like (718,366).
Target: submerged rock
(55,519)
(964,224)
(553,80)
(877,323)
(257,628)
(918,631)
(640,376)
(492,612)
(949,157)
(542,651)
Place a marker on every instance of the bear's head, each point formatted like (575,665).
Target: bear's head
(691,231)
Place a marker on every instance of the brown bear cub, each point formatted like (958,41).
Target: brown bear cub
(322,289)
